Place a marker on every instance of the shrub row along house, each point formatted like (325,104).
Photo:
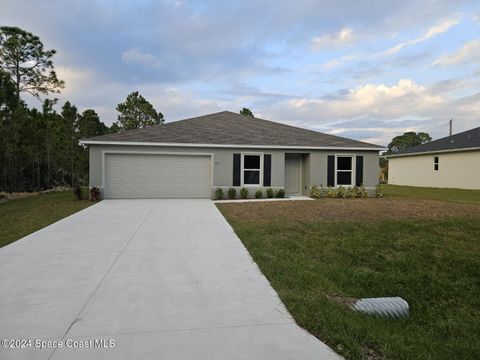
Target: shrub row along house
(193,157)
(450,162)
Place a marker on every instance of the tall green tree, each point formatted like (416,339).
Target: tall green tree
(8,136)
(136,112)
(70,121)
(408,140)
(49,116)
(89,125)
(29,65)
(246,112)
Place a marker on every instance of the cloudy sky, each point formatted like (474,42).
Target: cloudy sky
(365,69)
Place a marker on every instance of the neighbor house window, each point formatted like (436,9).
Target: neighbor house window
(435,163)
(251,169)
(345,170)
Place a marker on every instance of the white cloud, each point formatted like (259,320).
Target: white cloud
(377,112)
(440,28)
(468,53)
(343,37)
(136,55)
(76,79)
(379,101)
(336,62)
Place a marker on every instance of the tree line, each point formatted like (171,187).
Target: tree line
(40,149)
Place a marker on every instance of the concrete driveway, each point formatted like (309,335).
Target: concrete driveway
(143,279)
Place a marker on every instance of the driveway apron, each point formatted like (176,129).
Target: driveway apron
(144,279)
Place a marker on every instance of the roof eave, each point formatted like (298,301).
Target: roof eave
(433,152)
(133,143)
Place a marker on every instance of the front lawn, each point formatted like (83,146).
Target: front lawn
(23,216)
(443,194)
(315,252)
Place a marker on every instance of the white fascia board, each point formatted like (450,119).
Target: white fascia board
(433,152)
(96,142)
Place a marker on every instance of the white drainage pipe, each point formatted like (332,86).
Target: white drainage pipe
(383,306)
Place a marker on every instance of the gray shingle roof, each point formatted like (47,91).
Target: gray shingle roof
(464,140)
(228,128)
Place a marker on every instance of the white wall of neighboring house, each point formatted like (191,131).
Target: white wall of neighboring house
(455,170)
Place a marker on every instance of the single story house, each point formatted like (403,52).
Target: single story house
(450,162)
(191,158)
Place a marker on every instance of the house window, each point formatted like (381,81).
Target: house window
(435,163)
(251,169)
(344,170)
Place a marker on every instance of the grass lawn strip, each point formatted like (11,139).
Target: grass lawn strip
(23,216)
(429,255)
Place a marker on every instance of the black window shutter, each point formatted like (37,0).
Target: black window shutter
(359,171)
(236,170)
(331,171)
(267,170)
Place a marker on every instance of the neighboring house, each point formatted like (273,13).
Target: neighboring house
(191,158)
(450,162)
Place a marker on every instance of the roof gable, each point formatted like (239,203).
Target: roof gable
(228,128)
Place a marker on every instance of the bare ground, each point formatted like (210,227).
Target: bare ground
(371,209)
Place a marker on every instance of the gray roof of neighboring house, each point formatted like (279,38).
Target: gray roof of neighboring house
(469,139)
(228,128)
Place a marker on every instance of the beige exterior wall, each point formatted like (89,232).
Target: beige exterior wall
(456,170)
(314,165)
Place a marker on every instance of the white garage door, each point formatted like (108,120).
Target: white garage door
(146,176)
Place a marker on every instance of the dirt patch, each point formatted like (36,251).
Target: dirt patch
(5,196)
(346,210)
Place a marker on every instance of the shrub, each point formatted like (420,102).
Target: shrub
(330,192)
(219,194)
(378,190)
(269,193)
(350,192)
(77,191)
(232,193)
(362,192)
(244,193)
(315,192)
(280,193)
(94,193)
(258,194)
(340,192)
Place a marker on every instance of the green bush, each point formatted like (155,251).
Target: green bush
(362,192)
(77,191)
(232,193)
(269,193)
(258,194)
(244,193)
(330,192)
(280,193)
(219,194)
(350,192)
(340,192)
(356,191)
(315,192)
(379,190)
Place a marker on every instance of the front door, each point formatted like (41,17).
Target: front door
(293,167)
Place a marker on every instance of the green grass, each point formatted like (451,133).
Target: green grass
(443,194)
(23,216)
(434,265)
